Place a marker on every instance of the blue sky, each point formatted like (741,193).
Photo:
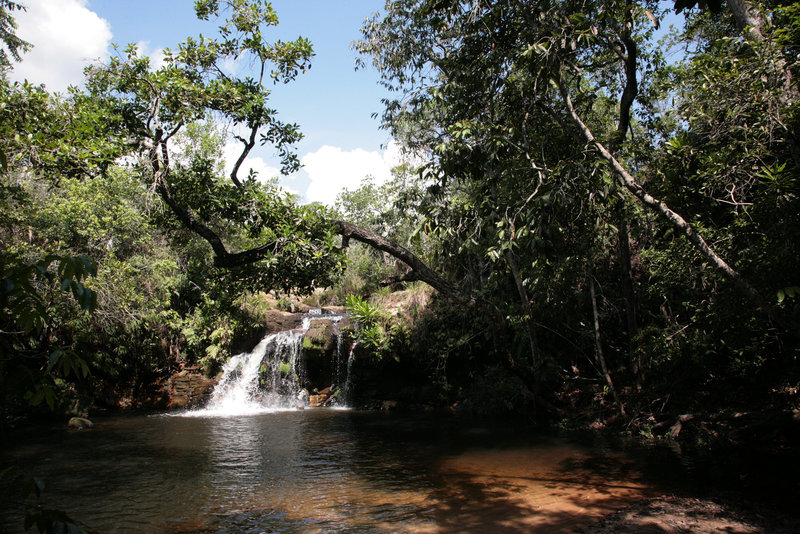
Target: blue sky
(332,102)
(328,100)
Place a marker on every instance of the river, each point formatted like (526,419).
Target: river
(321,470)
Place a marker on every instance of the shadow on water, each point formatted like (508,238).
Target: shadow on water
(435,475)
(322,471)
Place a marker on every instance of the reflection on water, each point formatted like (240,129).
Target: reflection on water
(319,471)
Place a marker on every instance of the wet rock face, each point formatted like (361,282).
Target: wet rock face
(324,353)
(320,335)
(319,346)
(276,321)
(189,388)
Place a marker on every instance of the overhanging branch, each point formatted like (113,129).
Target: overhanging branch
(419,269)
(630,184)
(348,231)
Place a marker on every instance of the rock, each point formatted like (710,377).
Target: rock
(323,399)
(189,388)
(319,346)
(273,322)
(320,335)
(388,405)
(302,397)
(80,423)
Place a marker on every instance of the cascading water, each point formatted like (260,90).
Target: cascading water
(348,385)
(268,378)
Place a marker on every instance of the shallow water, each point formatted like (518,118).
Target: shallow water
(320,471)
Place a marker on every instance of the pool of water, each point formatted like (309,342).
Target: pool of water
(320,471)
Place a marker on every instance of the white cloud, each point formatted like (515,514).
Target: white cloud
(332,169)
(66,36)
(156,55)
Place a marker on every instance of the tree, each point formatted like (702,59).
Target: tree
(34,139)
(564,150)
(12,46)
(462,69)
(280,243)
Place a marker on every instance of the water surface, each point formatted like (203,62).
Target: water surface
(320,471)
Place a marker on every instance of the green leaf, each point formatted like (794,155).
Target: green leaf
(790,291)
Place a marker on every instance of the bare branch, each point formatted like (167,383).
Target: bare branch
(421,270)
(675,220)
(248,146)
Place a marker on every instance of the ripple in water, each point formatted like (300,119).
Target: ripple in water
(317,471)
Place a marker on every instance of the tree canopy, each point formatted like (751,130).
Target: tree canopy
(580,191)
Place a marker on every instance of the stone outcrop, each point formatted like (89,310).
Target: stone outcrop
(320,353)
(275,321)
(80,423)
(189,388)
(319,342)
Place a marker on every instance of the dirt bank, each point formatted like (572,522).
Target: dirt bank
(673,515)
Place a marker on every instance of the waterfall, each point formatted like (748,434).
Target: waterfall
(348,385)
(268,378)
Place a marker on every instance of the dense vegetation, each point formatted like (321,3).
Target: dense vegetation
(610,223)
(603,226)
(624,215)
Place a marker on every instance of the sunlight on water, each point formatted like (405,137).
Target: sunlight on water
(320,470)
(253,460)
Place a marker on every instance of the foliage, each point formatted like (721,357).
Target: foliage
(370,323)
(386,209)
(275,234)
(511,203)
(46,520)
(24,316)
(12,45)
(490,92)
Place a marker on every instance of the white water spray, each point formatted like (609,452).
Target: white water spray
(266,379)
(348,385)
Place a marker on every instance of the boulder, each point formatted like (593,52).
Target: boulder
(189,388)
(79,423)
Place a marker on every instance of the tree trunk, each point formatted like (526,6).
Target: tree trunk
(599,349)
(748,18)
(629,294)
(526,304)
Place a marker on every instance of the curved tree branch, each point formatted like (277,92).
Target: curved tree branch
(348,231)
(248,146)
(410,276)
(418,267)
(630,184)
